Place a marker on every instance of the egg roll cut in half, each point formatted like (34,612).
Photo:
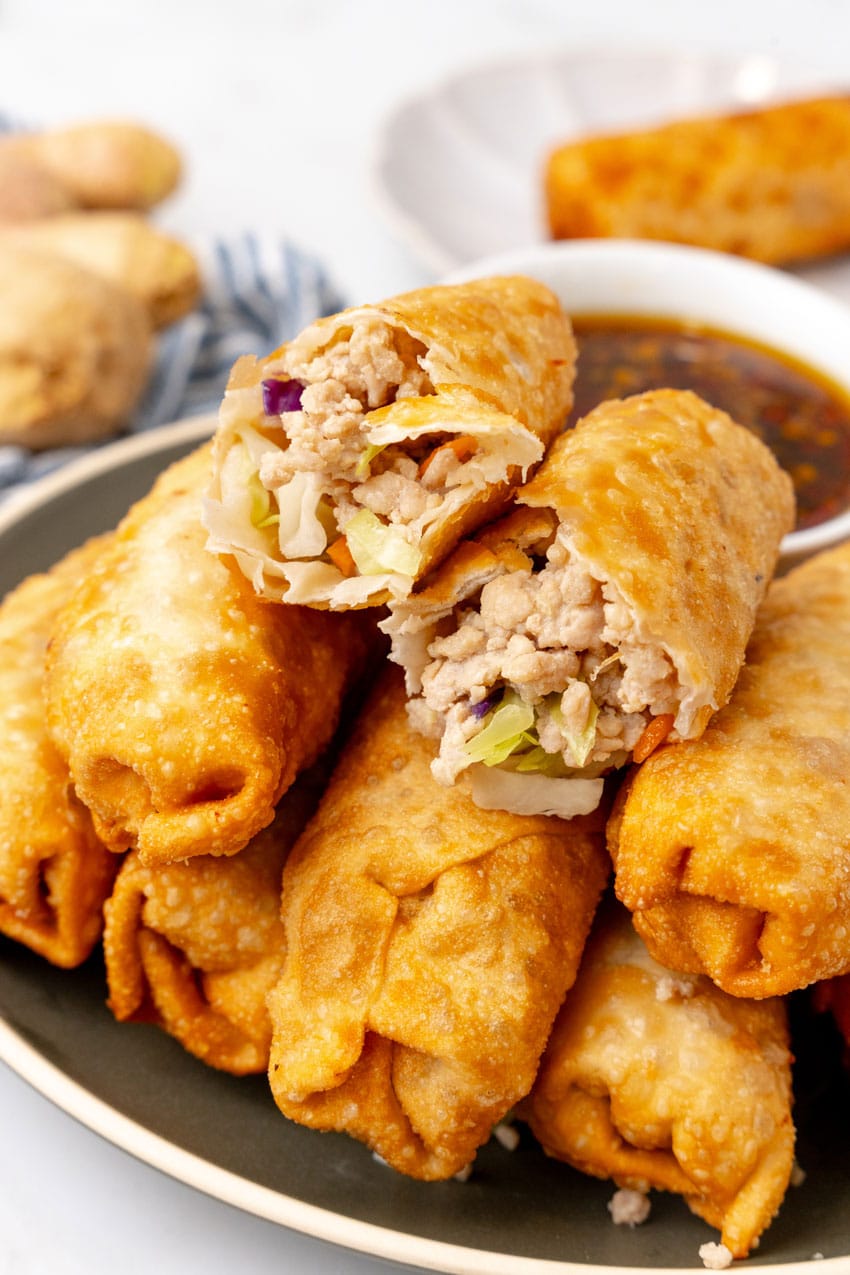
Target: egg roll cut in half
(354,458)
(734,852)
(654,1079)
(610,609)
(54,873)
(197,946)
(772,184)
(428,948)
(183,704)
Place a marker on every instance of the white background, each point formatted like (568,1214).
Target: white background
(275,106)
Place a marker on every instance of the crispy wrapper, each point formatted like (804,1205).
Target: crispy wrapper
(733,852)
(673,516)
(771,184)
(482,370)
(657,1080)
(429,946)
(197,946)
(54,873)
(184,705)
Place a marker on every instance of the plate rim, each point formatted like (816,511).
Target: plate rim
(129,1135)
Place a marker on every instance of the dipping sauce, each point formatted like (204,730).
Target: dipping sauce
(802,416)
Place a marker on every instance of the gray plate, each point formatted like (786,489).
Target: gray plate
(519,1212)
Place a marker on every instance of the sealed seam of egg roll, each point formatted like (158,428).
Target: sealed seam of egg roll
(610,609)
(353,459)
(655,1079)
(54,873)
(184,705)
(771,184)
(196,947)
(428,948)
(733,852)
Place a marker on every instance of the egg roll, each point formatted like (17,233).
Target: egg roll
(733,852)
(428,948)
(183,704)
(610,609)
(354,458)
(772,184)
(197,946)
(54,872)
(655,1079)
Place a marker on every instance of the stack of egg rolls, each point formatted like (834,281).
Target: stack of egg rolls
(54,872)
(608,611)
(428,948)
(353,459)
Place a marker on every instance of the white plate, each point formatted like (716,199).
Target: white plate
(519,1214)
(458,169)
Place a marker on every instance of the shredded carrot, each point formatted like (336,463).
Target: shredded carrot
(463,446)
(654,734)
(340,555)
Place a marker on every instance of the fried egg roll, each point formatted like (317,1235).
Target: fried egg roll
(197,946)
(183,704)
(355,457)
(733,852)
(54,873)
(428,948)
(658,1080)
(607,611)
(772,184)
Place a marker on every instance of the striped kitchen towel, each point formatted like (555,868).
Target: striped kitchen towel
(258,293)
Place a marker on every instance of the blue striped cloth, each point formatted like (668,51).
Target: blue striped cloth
(258,293)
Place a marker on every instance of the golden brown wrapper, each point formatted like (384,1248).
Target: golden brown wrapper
(54,873)
(733,851)
(498,361)
(197,946)
(184,705)
(429,945)
(656,1080)
(772,184)
(676,511)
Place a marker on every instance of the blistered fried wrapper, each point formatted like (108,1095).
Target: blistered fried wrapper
(184,705)
(428,947)
(734,851)
(655,1079)
(610,609)
(353,459)
(197,946)
(54,873)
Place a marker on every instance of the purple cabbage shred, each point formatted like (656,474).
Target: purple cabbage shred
(482,708)
(281,396)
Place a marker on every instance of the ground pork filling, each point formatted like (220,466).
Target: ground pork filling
(368,367)
(559,641)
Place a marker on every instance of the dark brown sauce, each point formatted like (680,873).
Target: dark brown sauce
(802,416)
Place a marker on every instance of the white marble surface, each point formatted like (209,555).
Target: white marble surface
(275,104)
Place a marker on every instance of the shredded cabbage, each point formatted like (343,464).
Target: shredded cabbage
(581,744)
(366,458)
(301,533)
(377,548)
(534,794)
(503,731)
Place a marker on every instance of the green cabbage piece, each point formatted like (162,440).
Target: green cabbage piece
(581,744)
(366,458)
(504,730)
(378,549)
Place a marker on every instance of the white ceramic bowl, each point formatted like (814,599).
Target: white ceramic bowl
(671,281)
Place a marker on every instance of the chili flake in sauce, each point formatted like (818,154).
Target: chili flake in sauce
(802,416)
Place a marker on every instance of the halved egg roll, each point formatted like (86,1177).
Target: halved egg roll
(658,1080)
(609,610)
(733,852)
(197,946)
(183,704)
(54,872)
(355,457)
(428,948)
(772,183)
